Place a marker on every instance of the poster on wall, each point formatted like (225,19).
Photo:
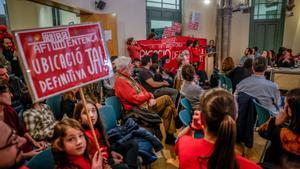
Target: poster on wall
(55,60)
(194,21)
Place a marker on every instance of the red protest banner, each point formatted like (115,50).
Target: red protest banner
(58,59)
(171,47)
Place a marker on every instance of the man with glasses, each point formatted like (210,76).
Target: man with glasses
(10,147)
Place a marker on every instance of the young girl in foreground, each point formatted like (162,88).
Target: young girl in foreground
(70,147)
(124,156)
(216,149)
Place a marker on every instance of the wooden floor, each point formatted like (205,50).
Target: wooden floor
(168,160)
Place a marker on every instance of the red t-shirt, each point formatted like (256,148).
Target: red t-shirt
(195,55)
(189,149)
(93,143)
(201,62)
(80,161)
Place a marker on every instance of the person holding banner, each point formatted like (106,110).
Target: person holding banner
(137,100)
(70,147)
(133,49)
(118,156)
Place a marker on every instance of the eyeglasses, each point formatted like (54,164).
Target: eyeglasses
(12,140)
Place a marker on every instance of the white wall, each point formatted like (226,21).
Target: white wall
(207,29)
(207,26)
(131,17)
(239,35)
(22,14)
(36,15)
(291,36)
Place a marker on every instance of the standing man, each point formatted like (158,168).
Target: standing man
(10,54)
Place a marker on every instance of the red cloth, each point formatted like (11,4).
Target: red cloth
(125,90)
(3,28)
(195,55)
(201,63)
(94,149)
(189,149)
(134,51)
(80,161)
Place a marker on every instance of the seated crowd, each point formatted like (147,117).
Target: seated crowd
(149,96)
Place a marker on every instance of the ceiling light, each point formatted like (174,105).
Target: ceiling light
(206,2)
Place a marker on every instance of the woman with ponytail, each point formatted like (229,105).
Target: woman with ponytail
(216,149)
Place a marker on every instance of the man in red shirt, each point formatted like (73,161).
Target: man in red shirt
(132,94)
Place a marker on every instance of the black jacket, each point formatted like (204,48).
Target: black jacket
(246,119)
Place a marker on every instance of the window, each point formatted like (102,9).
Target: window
(3,13)
(161,14)
(167,4)
(267,9)
(156,24)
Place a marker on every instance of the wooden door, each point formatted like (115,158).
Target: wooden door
(109,23)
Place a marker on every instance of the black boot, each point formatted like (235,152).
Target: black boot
(170,139)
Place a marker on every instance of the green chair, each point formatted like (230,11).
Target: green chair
(43,160)
(116,104)
(108,117)
(186,104)
(55,105)
(228,84)
(222,81)
(225,82)
(263,115)
(185,117)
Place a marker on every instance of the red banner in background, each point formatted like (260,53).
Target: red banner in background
(55,60)
(171,47)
